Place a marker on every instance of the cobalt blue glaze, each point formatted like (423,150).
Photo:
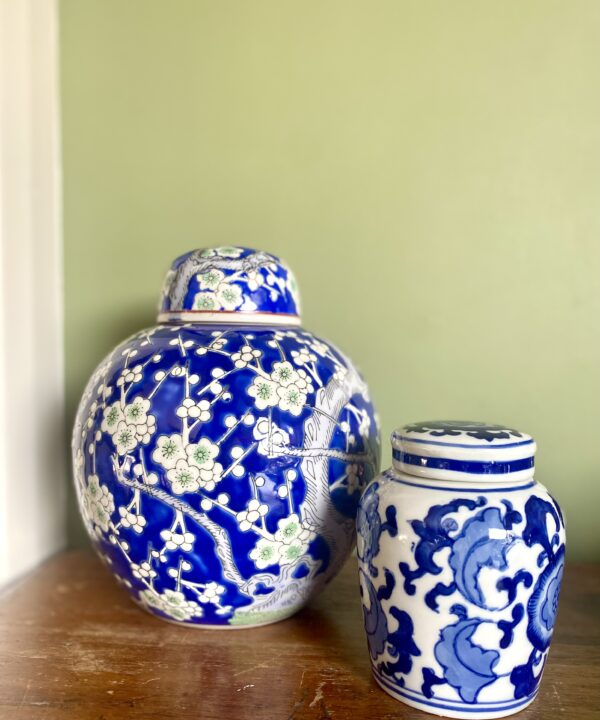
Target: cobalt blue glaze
(230,279)
(476,468)
(219,462)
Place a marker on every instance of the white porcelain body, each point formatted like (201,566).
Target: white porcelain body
(459,583)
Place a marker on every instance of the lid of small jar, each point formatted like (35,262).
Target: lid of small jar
(230,284)
(463,450)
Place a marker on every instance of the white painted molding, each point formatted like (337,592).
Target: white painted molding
(32,446)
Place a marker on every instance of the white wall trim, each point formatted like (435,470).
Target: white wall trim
(32,445)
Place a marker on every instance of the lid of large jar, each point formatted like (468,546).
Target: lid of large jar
(230,284)
(460,450)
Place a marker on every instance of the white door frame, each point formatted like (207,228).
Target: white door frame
(32,447)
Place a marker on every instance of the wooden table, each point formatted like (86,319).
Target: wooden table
(74,647)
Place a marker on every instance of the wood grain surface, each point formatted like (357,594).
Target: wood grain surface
(74,647)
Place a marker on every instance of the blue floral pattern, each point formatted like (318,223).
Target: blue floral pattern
(483,569)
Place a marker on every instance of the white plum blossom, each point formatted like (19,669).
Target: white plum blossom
(136,415)
(291,530)
(304,382)
(144,431)
(253,512)
(130,375)
(319,347)
(265,553)
(245,356)
(289,553)
(183,478)
(285,387)
(289,544)
(271,438)
(364,426)
(113,414)
(202,455)
(283,373)
(291,399)
(79,467)
(206,301)
(210,477)
(136,412)
(340,374)
(140,472)
(197,410)
(143,570)
(169,449)
(132,520)
(353,477)
(211,279)
(303,356)
(229,295)
(172,603)
(254,279)
(178,541)
(264,392)
(98,503)
(211,593)
(125,438)
(219,343)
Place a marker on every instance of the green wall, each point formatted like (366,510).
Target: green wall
(431,170)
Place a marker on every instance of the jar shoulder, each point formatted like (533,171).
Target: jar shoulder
(411,493)
(281,368)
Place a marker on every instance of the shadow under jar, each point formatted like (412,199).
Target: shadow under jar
(220,456)
(461,555)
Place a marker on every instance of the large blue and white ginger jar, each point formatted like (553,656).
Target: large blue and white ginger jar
(220,456)
(461,555)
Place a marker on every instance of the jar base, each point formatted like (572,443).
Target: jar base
(450,708)
(232,626)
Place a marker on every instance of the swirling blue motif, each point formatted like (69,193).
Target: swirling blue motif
(536,529)
(437,590)
(429,680)
(511,584)
(369,526)
(467,667)
(508,626)
(434,533)
(374,618)
(385,591)
(524,677)
(476,547)
(401,645)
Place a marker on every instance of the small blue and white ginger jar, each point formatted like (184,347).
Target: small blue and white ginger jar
(220,456)
(461,555)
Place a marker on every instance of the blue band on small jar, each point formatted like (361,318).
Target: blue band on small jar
(464,466)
